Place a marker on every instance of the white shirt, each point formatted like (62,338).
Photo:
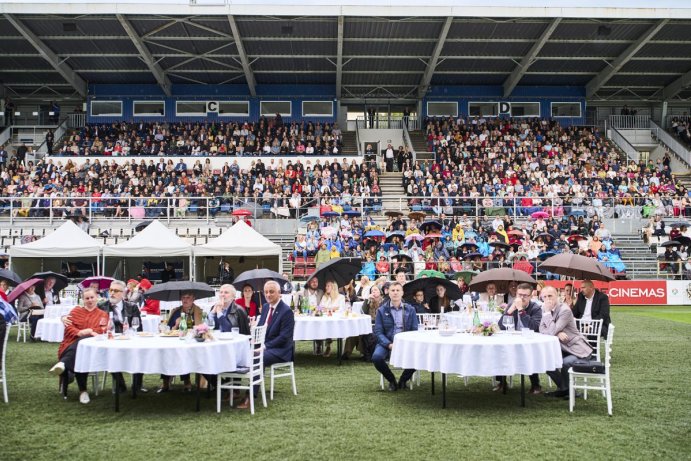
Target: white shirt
(587,314)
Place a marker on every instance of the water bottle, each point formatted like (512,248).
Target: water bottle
(125,327)
(476,319)
(111,325)
(182,326)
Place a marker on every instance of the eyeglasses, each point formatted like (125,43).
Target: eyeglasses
(523,295)
(114,290)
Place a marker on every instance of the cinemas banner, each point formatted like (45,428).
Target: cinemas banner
(630,292)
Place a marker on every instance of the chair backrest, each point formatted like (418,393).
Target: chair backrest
(429,321)
(608,346)
(256,355)
(591,329)
(3,352)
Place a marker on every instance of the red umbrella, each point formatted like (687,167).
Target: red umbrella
(22,287)
(103,282)
(539,214)
(242,212)
(575,238)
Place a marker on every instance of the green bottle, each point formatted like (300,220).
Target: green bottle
(476,319)
(183,325)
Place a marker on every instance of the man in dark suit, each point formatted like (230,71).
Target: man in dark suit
(526,314)
(393,317)
(280,324)
(122,311)
(592,304)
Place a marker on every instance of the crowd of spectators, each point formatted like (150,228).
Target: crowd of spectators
(154,185)
(681,127)
(264,137)
(521,166)
(452,244)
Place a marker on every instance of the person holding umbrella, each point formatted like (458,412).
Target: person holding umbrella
(193,316)
(50,293)
(29,304)
(528,314)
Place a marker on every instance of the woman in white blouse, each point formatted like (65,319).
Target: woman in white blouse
(332,301)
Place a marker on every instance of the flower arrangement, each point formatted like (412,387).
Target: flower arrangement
(202,332)
(501,308)
(485,329)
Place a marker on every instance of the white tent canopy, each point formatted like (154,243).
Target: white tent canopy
(239,240)
(67,241)
(155,240)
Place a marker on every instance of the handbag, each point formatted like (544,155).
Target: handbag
(588,366)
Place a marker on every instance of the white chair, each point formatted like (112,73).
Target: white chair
(429,321)
(3,373)
(22,328)
(282,370)
(253,374)
(591,330)
(596,378)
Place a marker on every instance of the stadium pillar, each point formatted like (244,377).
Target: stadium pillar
(663,115)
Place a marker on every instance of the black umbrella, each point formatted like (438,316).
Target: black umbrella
(256,278)
(470,246)
(671,243)
(340,270)
(502,245)
(172,291)
(545,235)
(473,255)
(429,285)
(684,240)
(10,277)
(142,225)
(429,225)
(399,234)
(60,280)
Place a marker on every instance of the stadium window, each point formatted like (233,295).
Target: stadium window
(149,108)
(188,108)
(234,109)
(106,108)
(566,109)
(442,109)
(271,108)
(525,109)
(483,109)
(317,109)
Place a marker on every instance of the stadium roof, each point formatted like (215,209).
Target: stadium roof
(617,50)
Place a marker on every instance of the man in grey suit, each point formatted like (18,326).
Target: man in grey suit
(557,320)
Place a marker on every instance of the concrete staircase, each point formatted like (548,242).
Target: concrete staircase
(392,188)
(419,141)
(640,260)
(684,178)
(349,143)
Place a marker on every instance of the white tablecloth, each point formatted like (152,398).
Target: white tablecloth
(55,311)
(150,323)
(156,355)
(51,330)
(464,320)
(470,355)
(312,328)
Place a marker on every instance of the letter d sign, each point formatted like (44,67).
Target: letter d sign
(504,108)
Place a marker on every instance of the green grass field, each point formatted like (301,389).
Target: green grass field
(340,413)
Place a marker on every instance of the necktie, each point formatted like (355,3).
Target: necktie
(271,313)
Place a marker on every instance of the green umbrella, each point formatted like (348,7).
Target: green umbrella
(430,273)
(465,275)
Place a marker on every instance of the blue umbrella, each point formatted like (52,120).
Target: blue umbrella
(375,233)
(330,214)
(352,213)
(545,255)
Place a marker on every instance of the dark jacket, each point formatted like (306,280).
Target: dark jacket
(129,311)
(384,323)
(599,310)
(530,317)
(279,334)
(235,317)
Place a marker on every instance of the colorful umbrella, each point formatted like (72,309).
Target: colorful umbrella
(417,237)
(434,235)
(465,275)
(352,213)
(430,273)
(22,287)
(242,212)
(539,214)
(103,282)
(330,214)
(375,233)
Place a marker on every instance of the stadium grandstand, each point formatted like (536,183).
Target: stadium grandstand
(452,136)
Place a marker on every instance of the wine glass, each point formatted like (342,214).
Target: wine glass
(135,324)
(103,325)
(210,321)
(508,323)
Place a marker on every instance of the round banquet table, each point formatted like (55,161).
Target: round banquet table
(337,326)
(161,355)
(503,354)
(464,320)
(51,330)
(57,310)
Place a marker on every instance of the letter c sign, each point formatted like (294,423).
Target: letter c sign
(212,106)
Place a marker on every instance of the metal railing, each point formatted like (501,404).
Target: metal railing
(623,143)
(668,140)
(408,142)
(669,119)
(76,120)
(629,122)
(5,136)
(357,139)
(392,123)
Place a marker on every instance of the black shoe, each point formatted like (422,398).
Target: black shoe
(162,389)
(393,387)
(345,357)
(403,384)
(558,393)
(578,396)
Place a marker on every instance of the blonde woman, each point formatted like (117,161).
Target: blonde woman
(332,301)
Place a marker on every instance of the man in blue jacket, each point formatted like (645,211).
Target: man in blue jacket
(280,324)
(393,317)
